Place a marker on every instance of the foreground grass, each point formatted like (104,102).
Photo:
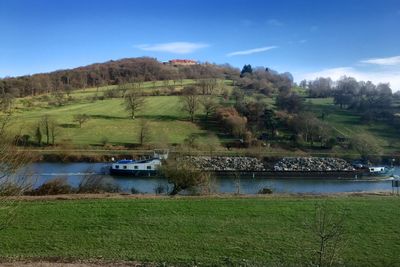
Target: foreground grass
(206,231)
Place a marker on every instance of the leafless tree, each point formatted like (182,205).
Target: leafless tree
(190,100)
(327,228)
(13,182)
(134,101)
(48,127)
(183,175)
(209,105)
(81,119)
(144,132)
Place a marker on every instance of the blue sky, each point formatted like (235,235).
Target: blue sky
(308,38)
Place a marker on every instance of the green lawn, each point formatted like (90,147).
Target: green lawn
(167,122)
(348,124)
(206,231)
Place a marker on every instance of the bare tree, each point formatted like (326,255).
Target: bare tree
(45,125)
(6,101)
(209,105)
(183,175)
(144,132)
(13,181)
(327,228)
(81,119)
(190,100)
(133,101)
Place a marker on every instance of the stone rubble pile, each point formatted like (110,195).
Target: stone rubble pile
(226,163)
(312,164)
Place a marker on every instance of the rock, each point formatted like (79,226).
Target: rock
(312,164)
(226,163)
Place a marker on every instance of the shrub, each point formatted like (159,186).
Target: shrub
(134,191)
(53,187)
(160,189)
(97,184)
(265,191)
(11,189)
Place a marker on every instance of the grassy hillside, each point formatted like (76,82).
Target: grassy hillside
(348,124)
(202,231)
(110,123)
(167,123)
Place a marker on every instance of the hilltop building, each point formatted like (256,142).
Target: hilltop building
(182,62)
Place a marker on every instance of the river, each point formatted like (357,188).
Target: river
(75,172)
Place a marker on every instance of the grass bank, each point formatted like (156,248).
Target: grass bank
(203,231)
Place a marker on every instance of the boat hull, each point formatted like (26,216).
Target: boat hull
(143,173)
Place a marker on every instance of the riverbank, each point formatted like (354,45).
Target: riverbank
(218,230)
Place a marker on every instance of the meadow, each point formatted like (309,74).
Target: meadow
(167,123)
(223,231)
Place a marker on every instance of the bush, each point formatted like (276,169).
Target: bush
(97,184)
(11,189)
(53,187)
(265,191)
(134,191)
(183,176)
(160,189)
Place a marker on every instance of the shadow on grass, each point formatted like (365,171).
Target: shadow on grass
(107,117)
(69,125)
(159,117)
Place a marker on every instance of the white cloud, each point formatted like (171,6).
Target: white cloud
(275,22)
(174,47)
(377,76)
(251,51)
(385,61)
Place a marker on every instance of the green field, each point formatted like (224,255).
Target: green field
(203,231)
(167,122)
(347,124)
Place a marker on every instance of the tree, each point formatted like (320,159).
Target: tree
(320,87)
(209,105)
(13,179)
(81,119)
(58,97)
(366,145)
(6,101)
(144,132)
(347,88)
(48,128)
(270,121)
(246,69)
(134,101)
(38,135)
(291,102)
(183,175)
(45,125)
(190,101)
(327,229)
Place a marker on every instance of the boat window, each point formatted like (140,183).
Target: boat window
(125,167)
(149,167)
(136,167)
(117,166)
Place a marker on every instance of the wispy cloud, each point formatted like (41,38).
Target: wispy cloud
(376,76)
(251,51)
(173,47)
(384,61)
(275,22)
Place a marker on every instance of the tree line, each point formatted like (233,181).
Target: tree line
(109,73)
